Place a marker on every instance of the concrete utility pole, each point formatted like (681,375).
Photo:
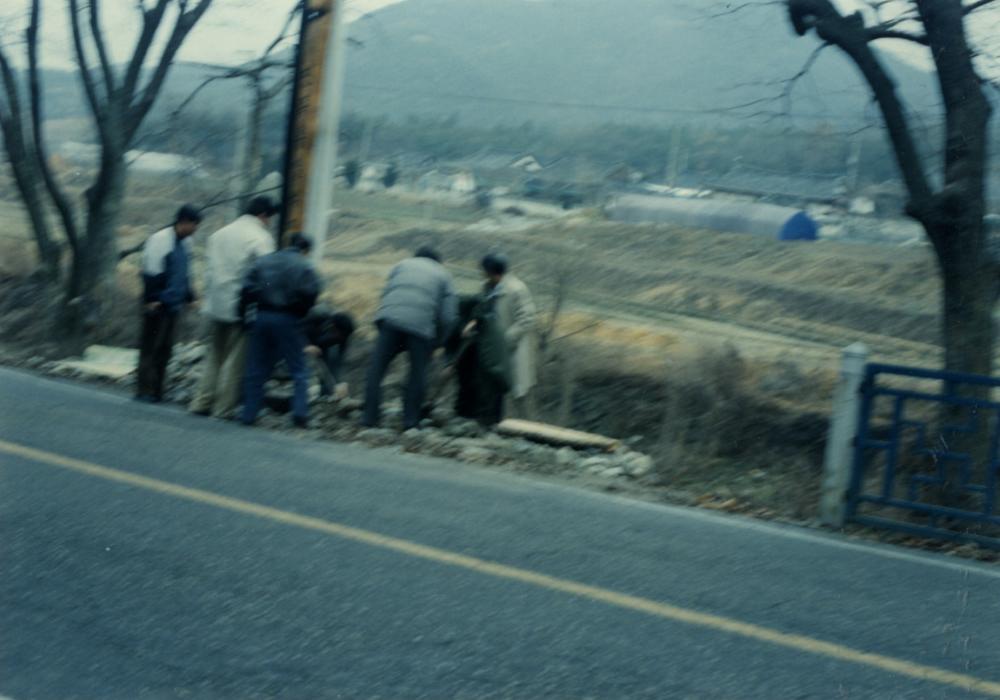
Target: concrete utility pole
(314,122)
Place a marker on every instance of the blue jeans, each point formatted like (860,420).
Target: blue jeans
(275,336)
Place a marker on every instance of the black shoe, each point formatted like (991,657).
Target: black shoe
(300,421)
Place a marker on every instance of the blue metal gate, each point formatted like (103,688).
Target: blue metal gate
(921,467)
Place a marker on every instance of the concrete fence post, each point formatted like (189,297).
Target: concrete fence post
(840,440)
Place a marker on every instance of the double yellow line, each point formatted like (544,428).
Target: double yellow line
(666,611)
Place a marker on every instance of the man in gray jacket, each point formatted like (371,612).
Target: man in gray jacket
(417,312)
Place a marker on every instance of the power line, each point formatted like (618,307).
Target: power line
(729,112)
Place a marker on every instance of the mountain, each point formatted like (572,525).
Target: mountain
(573,61)
(634,60)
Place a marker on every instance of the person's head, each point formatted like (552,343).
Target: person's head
(343,324)
(425,251)
(300,242)
(186,220)
(263,207)
(495,267)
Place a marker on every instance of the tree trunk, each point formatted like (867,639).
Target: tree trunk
(969,293)
(49,252)
(968,319)
(92,274)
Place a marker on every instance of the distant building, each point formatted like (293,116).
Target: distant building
(528,163)
(87,155)
(624,174)
(775,188)
(782,223)
(455,182)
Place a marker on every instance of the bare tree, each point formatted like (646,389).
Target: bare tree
(119,100)
(262,92)
(951,206)
(18,139)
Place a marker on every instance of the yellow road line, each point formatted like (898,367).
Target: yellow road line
(676,613)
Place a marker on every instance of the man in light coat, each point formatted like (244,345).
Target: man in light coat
(516,314)
(231,251)
(416,315)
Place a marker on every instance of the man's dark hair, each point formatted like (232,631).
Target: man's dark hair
(344,323)
(189,213)
(262,206)
(425,251)
(495,264)
(300,242)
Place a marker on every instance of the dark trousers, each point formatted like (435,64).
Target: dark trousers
(155,345)
(392,341)
(479,397)
(275,336)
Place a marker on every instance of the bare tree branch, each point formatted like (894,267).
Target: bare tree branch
(972,7)
(151,19)
(186,21)
(731,9)
(876,33)
(11,90)
(97,36)
(59,197)
(848,33)
(284,33)
(89,89)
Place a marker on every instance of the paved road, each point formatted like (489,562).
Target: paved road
(148,554)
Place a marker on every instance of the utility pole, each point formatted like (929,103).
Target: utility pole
(314,121)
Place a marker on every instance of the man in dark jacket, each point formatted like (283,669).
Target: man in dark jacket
(416,315)
(166,290)
(281,288)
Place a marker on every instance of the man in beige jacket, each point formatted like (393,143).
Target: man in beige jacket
(516,312)
(230,253)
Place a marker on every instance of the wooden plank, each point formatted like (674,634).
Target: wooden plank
(554,435)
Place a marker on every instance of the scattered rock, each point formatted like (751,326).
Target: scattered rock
(566,457)
(349,408)
(462,428)
(476,455)
(596,465)
(612,472)
(442,415)
(636,464)
(377,436)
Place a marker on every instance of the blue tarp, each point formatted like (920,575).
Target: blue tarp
(800,227)
(781,223)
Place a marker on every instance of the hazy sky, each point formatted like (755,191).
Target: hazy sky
(235,30)
(229,33)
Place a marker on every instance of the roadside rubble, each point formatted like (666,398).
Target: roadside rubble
(441,434)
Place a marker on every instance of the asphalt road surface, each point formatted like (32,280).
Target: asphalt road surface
(145,553)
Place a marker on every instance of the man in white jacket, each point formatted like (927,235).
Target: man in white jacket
(231,251)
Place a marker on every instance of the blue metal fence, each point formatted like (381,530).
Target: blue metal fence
(921,467)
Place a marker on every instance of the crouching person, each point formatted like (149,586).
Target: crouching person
(280,289)
(328,335)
